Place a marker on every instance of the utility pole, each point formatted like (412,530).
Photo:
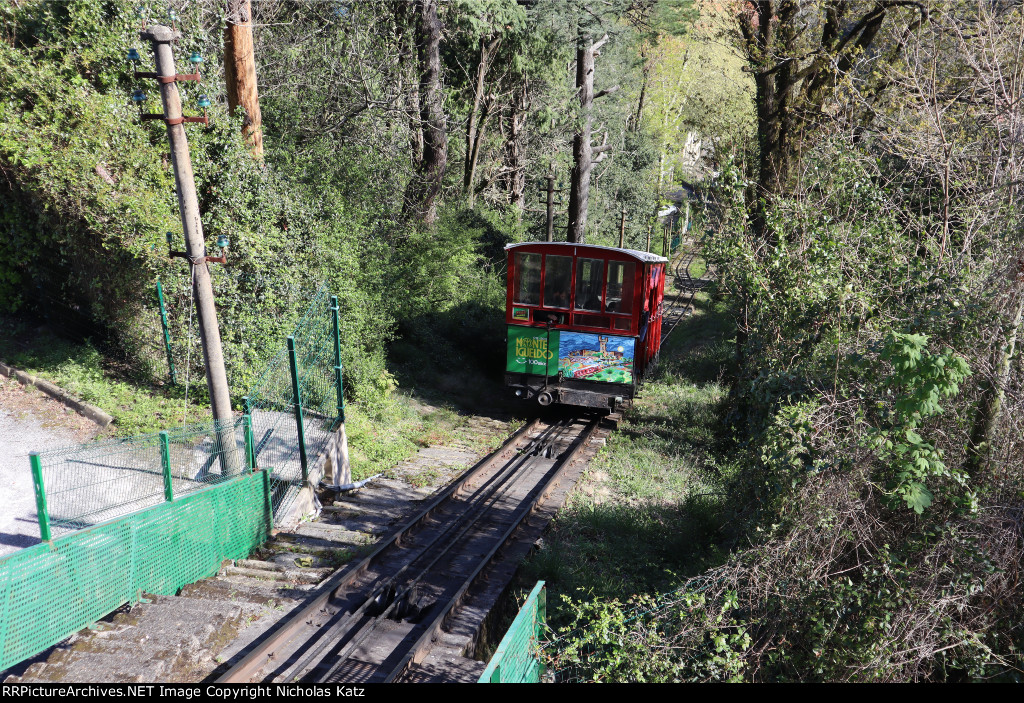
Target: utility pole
(240,72)
(622,229)
(551,206)
(195,248)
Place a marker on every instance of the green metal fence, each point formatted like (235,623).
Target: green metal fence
(155,512)
(51,590)
(292,410)
(87,484)
(517,659)
(297,402)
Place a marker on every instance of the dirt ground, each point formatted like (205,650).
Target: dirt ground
(29,421)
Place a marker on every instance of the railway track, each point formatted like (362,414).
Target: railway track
(395,616)
(687,287)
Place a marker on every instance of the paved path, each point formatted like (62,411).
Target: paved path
(29,421)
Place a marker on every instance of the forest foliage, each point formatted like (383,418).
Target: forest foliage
(869,246)
(88,193)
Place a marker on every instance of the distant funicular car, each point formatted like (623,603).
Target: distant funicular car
(584,322)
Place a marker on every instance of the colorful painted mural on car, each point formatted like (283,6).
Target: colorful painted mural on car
(596,357)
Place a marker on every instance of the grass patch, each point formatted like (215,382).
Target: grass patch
(651,510)
(698,267)
(79,368)
(381,437)
(426,477)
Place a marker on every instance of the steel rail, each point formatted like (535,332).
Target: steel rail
(352,628)
(540,492)
(466,521)
(253,662)
(689,259)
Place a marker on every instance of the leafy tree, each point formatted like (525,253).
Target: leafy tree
(799,54)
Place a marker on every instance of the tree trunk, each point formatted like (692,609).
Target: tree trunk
(582,152)
(643,91)
(793,80)
(515,156)
(474,155)
(991,405)
(422,191)
(474,133)
(240,72)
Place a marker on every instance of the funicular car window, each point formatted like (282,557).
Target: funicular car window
(589,280)
(620,287)
(557,281)
(527,279)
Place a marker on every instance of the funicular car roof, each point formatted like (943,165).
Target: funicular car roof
(638,255)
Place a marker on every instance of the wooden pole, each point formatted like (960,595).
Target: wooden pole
(622,230)
(195,248)
(240,72)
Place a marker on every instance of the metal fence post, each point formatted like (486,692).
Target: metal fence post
(41,510)
(165,462)
(293,363)
(542,618)
(250,444)
(337,359)
(167,332)
(269,499)
(542,611)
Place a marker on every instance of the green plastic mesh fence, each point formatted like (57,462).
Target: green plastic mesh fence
(272,402)
(116,533)
(92,483)
(517,659)
(54,589)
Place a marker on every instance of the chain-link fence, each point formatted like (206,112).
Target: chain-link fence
(296,404)
(289,417)
(91,483)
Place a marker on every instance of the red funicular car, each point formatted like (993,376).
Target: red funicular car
(584,322)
